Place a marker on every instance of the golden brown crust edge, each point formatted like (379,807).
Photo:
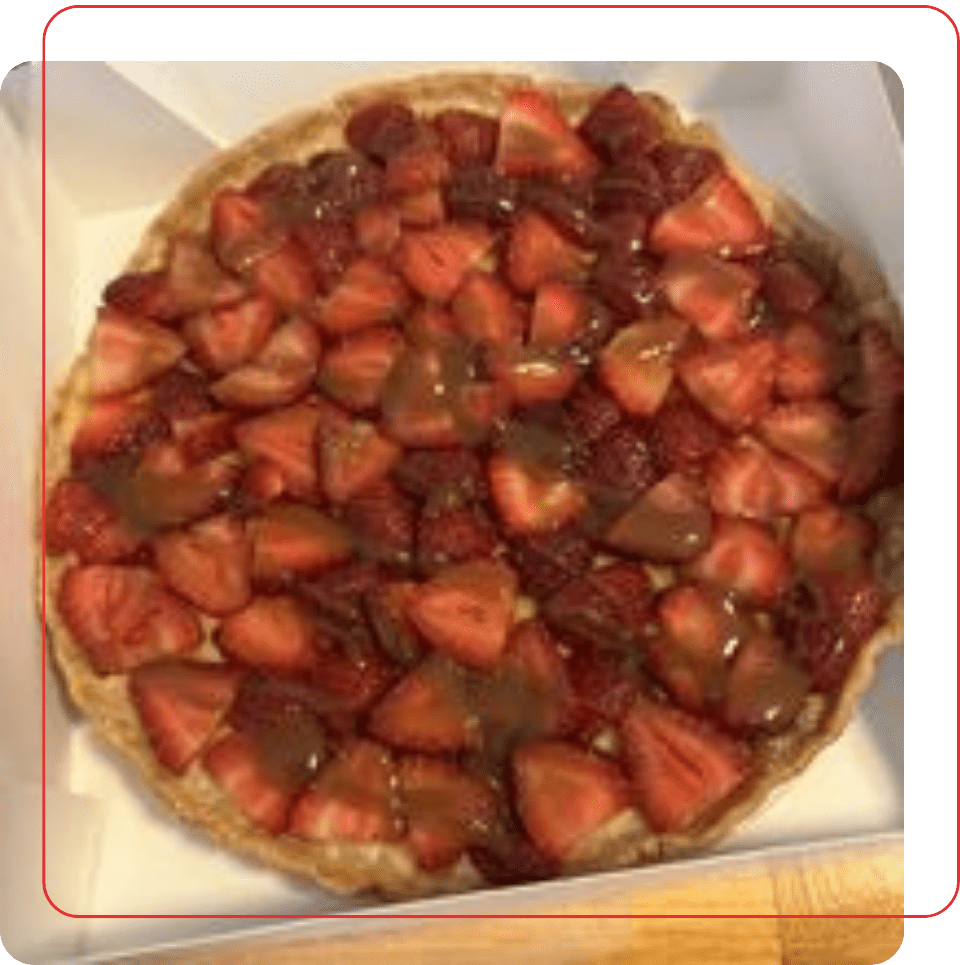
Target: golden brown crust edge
(388,869)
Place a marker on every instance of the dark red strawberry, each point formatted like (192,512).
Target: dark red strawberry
(273,634)
(180,704)
(621,460)
(716,295)
(328,247)
(874,456)
(377,229)
(535,138)
(353,373)
(732,380)
(122,617)
(637,366)
(814,433)
(480,194)
(80,520)
(683,437)
(291,540)
(453,534)
(545,561)
(353,455)
(484,310)
(683,168)
(831,538)
(442,476)
(537,252)
(469,138)
(744,557)
(367,294)
(382,522)
(564,794)
(341,183)
(434,261)
(626,281)
(446,810)
(467,610)
(876,381)
(205,437)
(515,861)
(530,501)
(386,608)
(353,681)
(680,767)
(224,339)
(807,367)
(719,218)
(605,682)
(208,564)
(180,394)
(380,129)
(351,799)
(621,125)
(339,596)
(141,293)
(788,286)
(590,414)
(122,424)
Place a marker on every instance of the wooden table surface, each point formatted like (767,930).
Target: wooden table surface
(863,880)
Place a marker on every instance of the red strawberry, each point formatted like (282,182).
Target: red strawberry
(434,261)
(282,371)
(122,424)
(589,415)
(732,380)
(122,617)
(564,794)
(141,293)
(240,229)
(293,540)
(670,522)
(429,323)
(205,436)
(533,502)
(606,682)
(208,564)
(537,252)
(225,338)
(534,375)
(621,460)
(831,538)
(262,483)
(560,314)
(284,275)
(79,520)
(351,799)
(637,365)
(484,310)
(353,681)
(467,610)
(716,295)
(807,366)
(354,372)
(469,138)
(680,767)
(446,810)
(382,522)
(874,456)
(386,608)
(286,438)
(453,534)
(425,209)
(814,433)
(180,704)
(766,687)
(535,138)
(621,125)
(790,287)
(274,634)
(425,711)
(683,437)
(353,454)
(367,294)
(377,229)
(876,381)
(545,561)
(418,166)
(329,247)
(444,476)
(744,557)
(194,280)
(719,218)
(236,763)
(747,479)
(180,395)
(127,352)
(381,128)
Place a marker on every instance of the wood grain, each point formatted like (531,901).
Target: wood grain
(864,880)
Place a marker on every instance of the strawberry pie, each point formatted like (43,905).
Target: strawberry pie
(476,481)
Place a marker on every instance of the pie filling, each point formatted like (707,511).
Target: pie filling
(477,482)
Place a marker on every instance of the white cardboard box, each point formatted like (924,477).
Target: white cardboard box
(120,138)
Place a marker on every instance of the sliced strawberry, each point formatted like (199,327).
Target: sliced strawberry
(747,479)
(240,229)
(589,415)
(732,380)
(484,310)
(831,538)
(329,247)
(530,501)
(80,520)
(121,424)
(418,166)
(683,168)
(446,810)
(429,323)
(621,461)
(425,711)
(766,687)
(205,436)
(560,314)
(744,557)
(293,540)
(606,682)
(381,128)
(814,433)
(382,523)
(353,454)
(141,293)
(680,768)
(434,261)
(719,218)
(274,634)
(224,339)
(181,394)
(468,138)
(284,275)
(621,125)
(535,138)
(236,764)
(353,681)
(537,252)
(282,371)
(122,617)
(453,534)
(194,280)
(790,287)
(287,439)
(351,799)
(565,794)
(443,476)
(545,561)
(683,437)
(716,295)
(262,483)
(807,367)
(180,704)
(670,522)
(208,564)
(467,610)
(367,294)
(386,608)
(532,375)
(876,381)
(377,229)
(354,372)
(874,456)
(127,352)
(637,366)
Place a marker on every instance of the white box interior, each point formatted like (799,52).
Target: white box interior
(120,137)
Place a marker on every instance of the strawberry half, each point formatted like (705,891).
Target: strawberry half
(353,455)
(790,287)
(122,617)
(382,523)
(683,437)
(808,363)
(274,634)
(531,501)
(453,534)
(285,276)
(537,252)
(240,229)
(621,125)
(226,338)
(435,261)
(831,538)
(180,704)
(367,294)
(354,372)
(814,433)
(194,281)
(293,540)
(531,375)
(484,311)
(560,314)
(79,520)
(565,794)
(120,424)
